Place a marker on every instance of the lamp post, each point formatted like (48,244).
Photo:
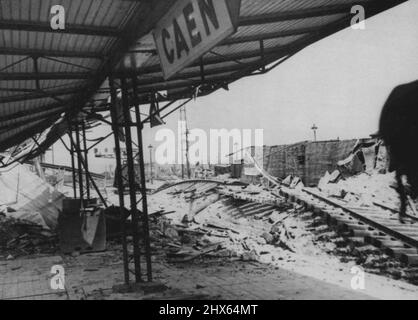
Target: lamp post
(150,161)
(314,129)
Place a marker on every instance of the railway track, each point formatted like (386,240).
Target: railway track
(375,225)
(369,225)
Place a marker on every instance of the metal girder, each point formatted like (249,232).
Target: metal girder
(184,83)
(67,63)
(184,94)
(39,94)
(51,53)
(32,118)
(37,126)
(192,74)
(272,35)
(17,90)
(156,112)
(69,28)
(45,76)
(176,108)
(144,71)
(14,63)
(24,113)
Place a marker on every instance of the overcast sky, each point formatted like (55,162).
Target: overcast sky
(339,83)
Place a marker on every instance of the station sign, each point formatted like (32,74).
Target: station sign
(190,29)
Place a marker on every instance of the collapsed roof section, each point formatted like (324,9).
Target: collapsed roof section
(49,77)
(269,31)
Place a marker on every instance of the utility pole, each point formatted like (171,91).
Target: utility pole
(150,162)
(183,118)
(181,144)
(187,146)
(314,129)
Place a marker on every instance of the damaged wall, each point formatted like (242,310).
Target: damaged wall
(323,156)
(308,160)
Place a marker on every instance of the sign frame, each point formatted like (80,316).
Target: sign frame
(227,20)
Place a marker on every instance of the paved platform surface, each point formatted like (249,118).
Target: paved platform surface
(93,276)
(29,279)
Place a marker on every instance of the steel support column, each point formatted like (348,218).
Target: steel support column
(145,222)
(86,160)
(131,179)
(70,134)
(79,165)
(88,175)
(119,180)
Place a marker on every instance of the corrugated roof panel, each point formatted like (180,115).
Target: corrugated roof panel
(256,7)
(12,64)
(218,66)
(109,13)
(17,131)
(253,46)
(27,104)
(67,64)
(269,43)
(152,61)
(16,84)
(266,28)
(27,118)
(21,36)
(279,42)
(53,41)
(45,84)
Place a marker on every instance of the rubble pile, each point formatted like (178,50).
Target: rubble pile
(363,189)
(29,208)
(214,226)
(366,190)
(22,191)
(239,223)
(22,237)
(361,180)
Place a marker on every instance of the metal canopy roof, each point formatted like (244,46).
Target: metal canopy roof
(45,73)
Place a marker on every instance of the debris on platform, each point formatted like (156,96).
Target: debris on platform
(25,195)
(20,237)
(365,182)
